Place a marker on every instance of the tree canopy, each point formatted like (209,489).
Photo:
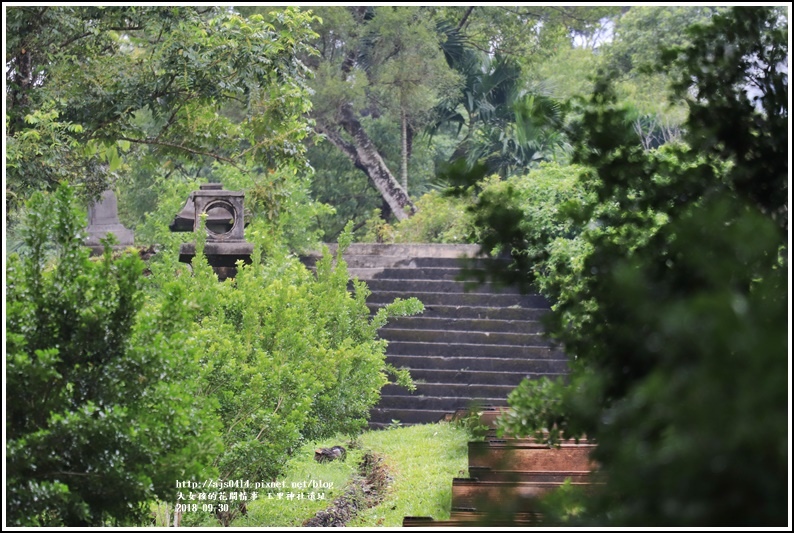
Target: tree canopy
(91,89)
(123,380)
(418,69)
(652,212)
(673,304)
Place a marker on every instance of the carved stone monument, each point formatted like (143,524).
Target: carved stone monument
(103,218)
(224,224)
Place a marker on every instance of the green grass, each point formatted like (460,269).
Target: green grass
(291,512)
(422,460)
(302,468)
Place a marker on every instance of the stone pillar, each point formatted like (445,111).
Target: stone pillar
(103,218)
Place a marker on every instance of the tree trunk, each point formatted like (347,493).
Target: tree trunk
(366,158)
(404,138)
(177,515)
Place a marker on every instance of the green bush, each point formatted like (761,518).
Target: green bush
(101,416)
(120,391)
(676,314)
(286,355)
(439,219)
(468,215)
(523,214)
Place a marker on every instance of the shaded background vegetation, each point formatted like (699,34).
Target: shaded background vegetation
(644,192)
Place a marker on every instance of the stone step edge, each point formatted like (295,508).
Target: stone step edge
(506,346)
(403,250)
(517,321)
(394,328)
(466,400)
(479,372)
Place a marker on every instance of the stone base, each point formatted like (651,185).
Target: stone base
(222,256)
(97,250)
(95,233)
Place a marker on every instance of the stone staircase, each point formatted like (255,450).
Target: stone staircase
(509,477)
(469,346)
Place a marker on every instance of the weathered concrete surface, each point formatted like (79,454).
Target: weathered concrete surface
(225,244)
(474,342)
(367,260)
(409,250)
(103,218)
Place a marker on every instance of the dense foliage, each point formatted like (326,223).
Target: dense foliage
(132,377)
(395,85)
(131,97)
(534,201)
(439,220)
(102,413)
(287,355)
(676,308)
(663,247)
(124,384)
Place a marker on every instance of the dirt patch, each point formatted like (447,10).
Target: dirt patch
(366,489)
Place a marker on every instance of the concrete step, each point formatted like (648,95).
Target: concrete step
(410,286)
(485,495)
(474,342)
(445,404)
(443,349)
(457,390)
(465,324)
(474,312)
(401,261)
(421,273)
(418,363)
(473,377)
(420,250)
(531,456)
(463,337)
(512,476)
(531,301)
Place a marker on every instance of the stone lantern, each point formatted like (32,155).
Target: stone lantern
(224,224)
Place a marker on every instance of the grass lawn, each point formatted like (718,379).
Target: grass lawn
(422,460)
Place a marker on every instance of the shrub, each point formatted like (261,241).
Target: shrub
(439,219)
(287,355)
(678,318)
(100,418)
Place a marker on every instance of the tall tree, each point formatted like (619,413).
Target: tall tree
(640,35)
(505,127)
(381,63)
(675,308)
(508,116)
(642,32)
(407,72)
(527,33)
(373,62)
(91,88)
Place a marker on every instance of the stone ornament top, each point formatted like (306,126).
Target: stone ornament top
(103,218)
(224,225)
(224,209)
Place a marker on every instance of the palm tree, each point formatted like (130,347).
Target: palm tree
(505,127)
